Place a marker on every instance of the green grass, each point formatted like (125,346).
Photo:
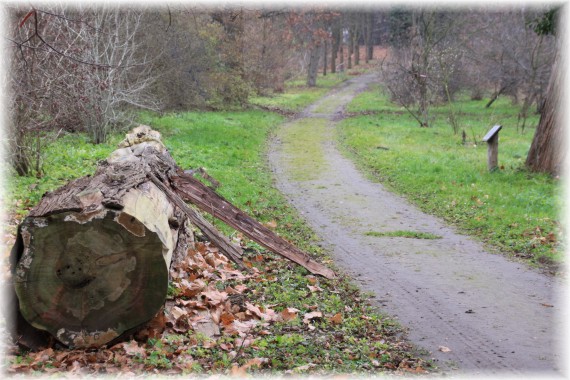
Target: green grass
(304,158)
(404,234)
(297,95)
(228,145)
(511,208)
(69,157)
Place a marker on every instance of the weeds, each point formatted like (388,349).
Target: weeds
(404,234)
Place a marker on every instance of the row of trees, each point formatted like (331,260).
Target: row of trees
(88,68)
(481,52)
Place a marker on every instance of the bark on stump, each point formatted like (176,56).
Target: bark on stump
(93,257)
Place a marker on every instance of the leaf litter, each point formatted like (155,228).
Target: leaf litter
(216,321)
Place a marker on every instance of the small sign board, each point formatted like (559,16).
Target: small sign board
(492,132)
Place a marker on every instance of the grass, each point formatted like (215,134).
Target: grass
(68,157)
(404,234)
(231,146)
(297,95)
(305,159)
(511,208)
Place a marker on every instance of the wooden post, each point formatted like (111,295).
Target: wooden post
(492,140)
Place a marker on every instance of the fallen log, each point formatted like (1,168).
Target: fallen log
(91,260)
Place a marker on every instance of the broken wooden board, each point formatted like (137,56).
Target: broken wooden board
(193,191)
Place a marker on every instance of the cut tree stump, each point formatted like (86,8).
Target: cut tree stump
(93,256)
(91,260)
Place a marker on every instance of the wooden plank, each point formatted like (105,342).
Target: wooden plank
(492,132)
(230,250)
(193,191)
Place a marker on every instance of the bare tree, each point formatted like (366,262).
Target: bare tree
(506,54)
(309,28)
(117,82)
(36,81)
(414,74)
(72,69)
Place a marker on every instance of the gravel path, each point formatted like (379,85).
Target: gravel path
(474,312)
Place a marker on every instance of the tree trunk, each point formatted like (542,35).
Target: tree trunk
(334,48)
(92,258)
(341,52)
(356,45)
(547,151)
(349,50)
(496,95)
(356,54)
(325,52)
(368,36)
(313,68)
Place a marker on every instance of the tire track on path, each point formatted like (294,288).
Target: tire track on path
(489,311)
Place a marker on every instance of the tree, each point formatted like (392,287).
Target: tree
(367,31)
(413,76)
(510,56)
(548,150)
(308,29)
(120,76)
(72,69)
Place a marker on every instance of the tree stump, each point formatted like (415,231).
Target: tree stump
(93,257)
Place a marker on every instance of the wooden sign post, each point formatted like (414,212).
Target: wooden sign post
(492,140)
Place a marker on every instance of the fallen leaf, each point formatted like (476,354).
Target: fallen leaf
(444,349)
(42,356)
(243,342)
(241,371)
(237,371)
(227,319)
(215,297)
(272,224)
(547,305)
(289,314)
(304,367)
(314,289)
(254,310)
(309,316)
(178,312)
(336,319)
(132,348)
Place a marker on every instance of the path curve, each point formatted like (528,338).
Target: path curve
(494,315)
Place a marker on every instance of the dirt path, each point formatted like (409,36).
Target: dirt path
(493,314)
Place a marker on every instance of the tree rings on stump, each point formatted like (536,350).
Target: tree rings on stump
(87,280)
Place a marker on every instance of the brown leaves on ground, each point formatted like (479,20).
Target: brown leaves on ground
(209,307)
(202,306)
(203,310)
